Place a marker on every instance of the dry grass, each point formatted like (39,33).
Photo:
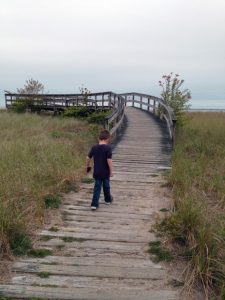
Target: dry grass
(39,154)
(198,183)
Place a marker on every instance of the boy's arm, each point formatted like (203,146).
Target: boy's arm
(88,161)
(109,161)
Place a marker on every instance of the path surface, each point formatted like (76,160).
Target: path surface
(105,256)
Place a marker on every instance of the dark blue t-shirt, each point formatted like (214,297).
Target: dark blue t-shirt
(100,153)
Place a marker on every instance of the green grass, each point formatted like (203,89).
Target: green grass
(198,183)
(70,239)
(39,252)
(87,180)
(46,238)
(40,155)
(19,241)
(159,252)
(52,201)
(54,229)
(43,274)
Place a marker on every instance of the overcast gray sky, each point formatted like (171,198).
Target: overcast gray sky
(117,45)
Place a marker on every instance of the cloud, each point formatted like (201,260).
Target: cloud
(116,44)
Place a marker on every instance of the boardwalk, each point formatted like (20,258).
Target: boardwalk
(103,255)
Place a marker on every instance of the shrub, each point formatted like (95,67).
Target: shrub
(77,112)
(98,117)
(21,105)
(173,95)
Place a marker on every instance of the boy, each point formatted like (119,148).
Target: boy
(102,154)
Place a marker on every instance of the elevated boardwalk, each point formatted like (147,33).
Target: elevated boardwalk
(106,258)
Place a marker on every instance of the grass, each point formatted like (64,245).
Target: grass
(197,180)
(87,180)
(43,274)
(54,229)
(19,241)
(70,239)
(52,201)
(40,155)
(46,238)
(159,252)
(40,252)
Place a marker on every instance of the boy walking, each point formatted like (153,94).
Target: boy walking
(102,154)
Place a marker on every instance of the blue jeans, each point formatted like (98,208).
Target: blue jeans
(97,191)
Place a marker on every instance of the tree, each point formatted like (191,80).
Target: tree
(32,87)
(173,95)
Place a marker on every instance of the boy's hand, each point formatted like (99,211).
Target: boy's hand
(88,169)
(111,175)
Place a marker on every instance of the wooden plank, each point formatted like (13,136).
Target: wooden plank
(18,291)
(91,271)
(94,235)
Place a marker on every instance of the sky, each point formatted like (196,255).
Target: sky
(113,45)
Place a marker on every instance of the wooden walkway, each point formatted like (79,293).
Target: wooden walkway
(102,255)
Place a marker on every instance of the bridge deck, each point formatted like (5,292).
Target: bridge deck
(145,146)
(107,257)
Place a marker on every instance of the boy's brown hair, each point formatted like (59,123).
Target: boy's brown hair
(104,135)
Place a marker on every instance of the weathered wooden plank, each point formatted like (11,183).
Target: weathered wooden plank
(20,291)
(95,235)
(105,261)
(95,271)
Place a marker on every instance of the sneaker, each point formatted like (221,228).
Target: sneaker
(93,207)
(110,201)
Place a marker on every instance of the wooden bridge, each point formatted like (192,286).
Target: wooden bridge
(103,255)
(117,102)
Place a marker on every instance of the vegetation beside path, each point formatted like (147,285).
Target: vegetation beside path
(41,156)
(197,179)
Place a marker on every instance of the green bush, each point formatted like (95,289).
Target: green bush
(77,112)
(21,105)
(98,117)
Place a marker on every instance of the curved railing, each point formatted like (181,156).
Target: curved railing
(155,105)
(59,102)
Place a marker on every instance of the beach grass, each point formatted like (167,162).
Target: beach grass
(197,181)
(36,162)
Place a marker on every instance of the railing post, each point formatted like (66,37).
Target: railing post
(154,107)
(141,102)
(148,104)
(96,105)
(109,103)
(133,101)
(102,101)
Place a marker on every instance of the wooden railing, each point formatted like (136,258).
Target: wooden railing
(117,102)
(59,102)
(154,105)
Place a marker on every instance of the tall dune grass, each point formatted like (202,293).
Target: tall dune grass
(198,184)
(38,155)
